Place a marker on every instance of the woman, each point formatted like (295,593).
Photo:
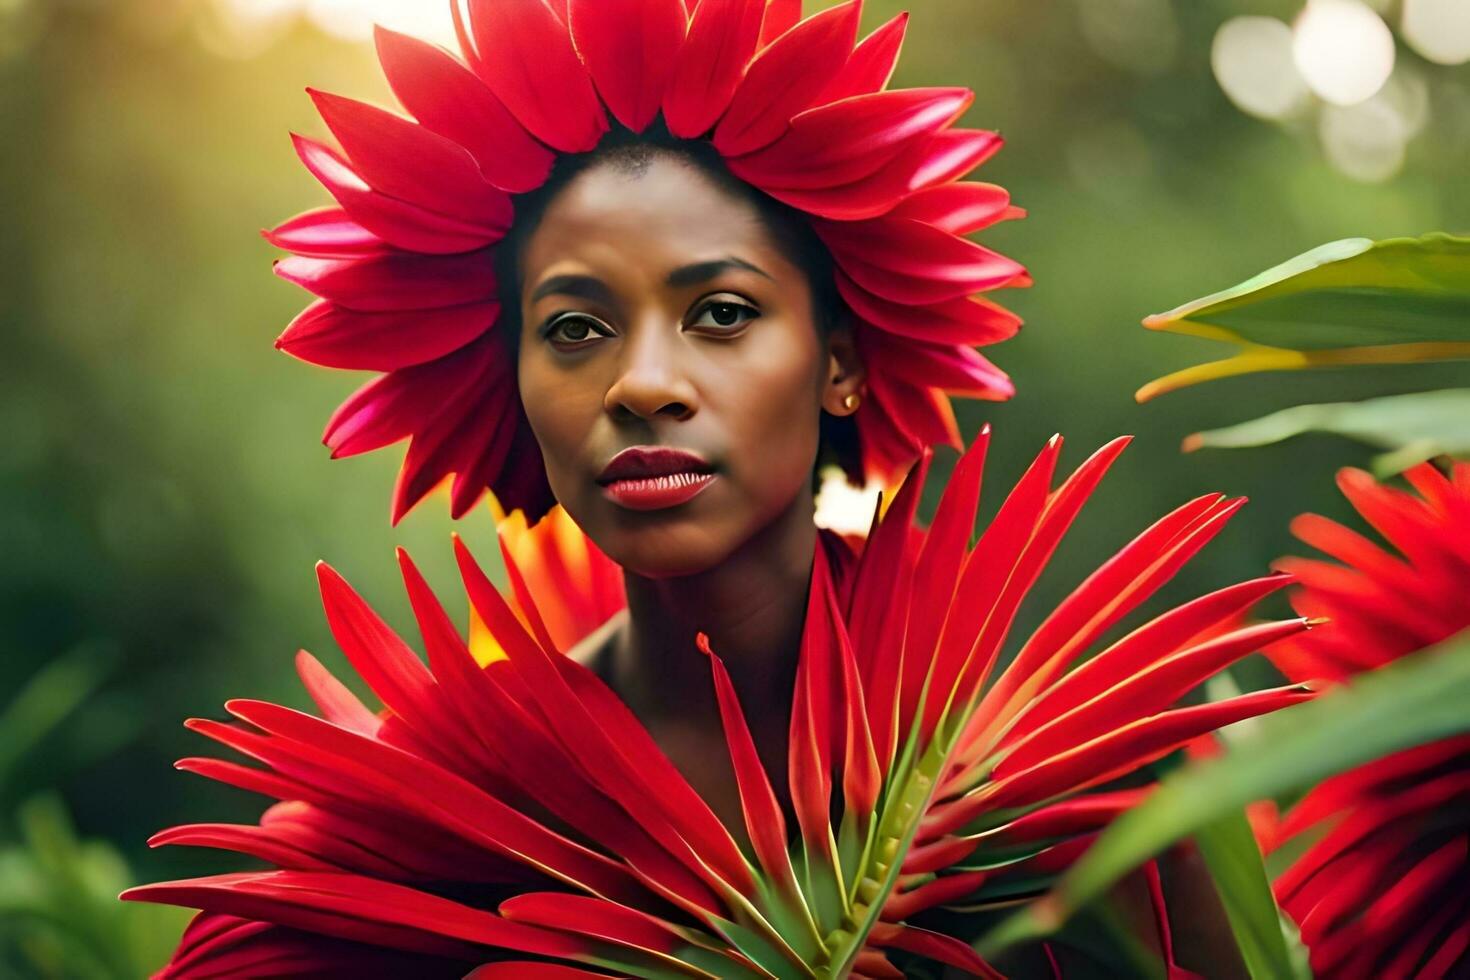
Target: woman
(658,278)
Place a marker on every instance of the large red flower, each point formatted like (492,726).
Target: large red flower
(1385,892)
(798,108)
(520,810)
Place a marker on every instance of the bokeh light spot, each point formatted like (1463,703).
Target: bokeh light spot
(1438,29)
(1253,62)
(1343,49)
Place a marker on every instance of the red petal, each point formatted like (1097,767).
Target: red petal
(585,916)
(954,368)
(851,139)
(328,335)
(872,62)
(325,232)
(946,156)
(1131,746)
(907,261)
(336,703)
(358,908)
(395,280)
(448,99)
(959,208)
(1142,694)
(936,946)
(1133,652)
(401,223)
(527,59)
(711,63)
(630,47)
(785,77)
(399,404)
(968,320)
(404,160)
(780,17)
(763,818)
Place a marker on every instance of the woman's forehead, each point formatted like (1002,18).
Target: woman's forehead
(665,212)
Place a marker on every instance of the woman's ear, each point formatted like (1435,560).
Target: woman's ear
(846,377)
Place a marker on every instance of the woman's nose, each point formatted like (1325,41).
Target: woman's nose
(650,379)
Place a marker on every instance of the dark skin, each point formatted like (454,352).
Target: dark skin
(658,310)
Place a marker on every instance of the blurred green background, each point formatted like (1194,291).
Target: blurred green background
(163,494)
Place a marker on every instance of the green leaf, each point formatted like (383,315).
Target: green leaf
(1418,699)
(1354,301)
(1413,427)
(1234,859)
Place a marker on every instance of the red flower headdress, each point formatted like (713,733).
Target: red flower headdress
(1382,892)
(796,108)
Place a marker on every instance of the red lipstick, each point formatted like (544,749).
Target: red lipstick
(654,477)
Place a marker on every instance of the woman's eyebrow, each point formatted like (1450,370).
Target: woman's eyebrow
(581,286)
(689,275)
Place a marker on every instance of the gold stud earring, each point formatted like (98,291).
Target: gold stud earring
(851,401)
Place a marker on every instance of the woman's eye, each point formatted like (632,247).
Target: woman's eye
(725,315)
(574,330)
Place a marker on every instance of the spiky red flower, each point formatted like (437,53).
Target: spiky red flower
(520,810)
(1384,892)
(798,108)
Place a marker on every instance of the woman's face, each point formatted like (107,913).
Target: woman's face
(658,313)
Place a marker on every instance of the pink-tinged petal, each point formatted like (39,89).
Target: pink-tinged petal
(327,233)
(448,99)
(401,223)
(954,153)
(936,946)
(402,159)
(764,821)
(721,40)
(920,412)
(871,65)
(395,280)
(527,59)
(946,156)
(907,261)
(336,703)
(331,336)
(968,320)
(630,47)
(849,140)
(959,208)
(399,404)
(953,368)
(361,909)
(785,77)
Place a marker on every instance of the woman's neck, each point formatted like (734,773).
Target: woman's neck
(752,606)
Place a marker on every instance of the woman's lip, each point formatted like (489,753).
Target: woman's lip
(657,492)
(645,462)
